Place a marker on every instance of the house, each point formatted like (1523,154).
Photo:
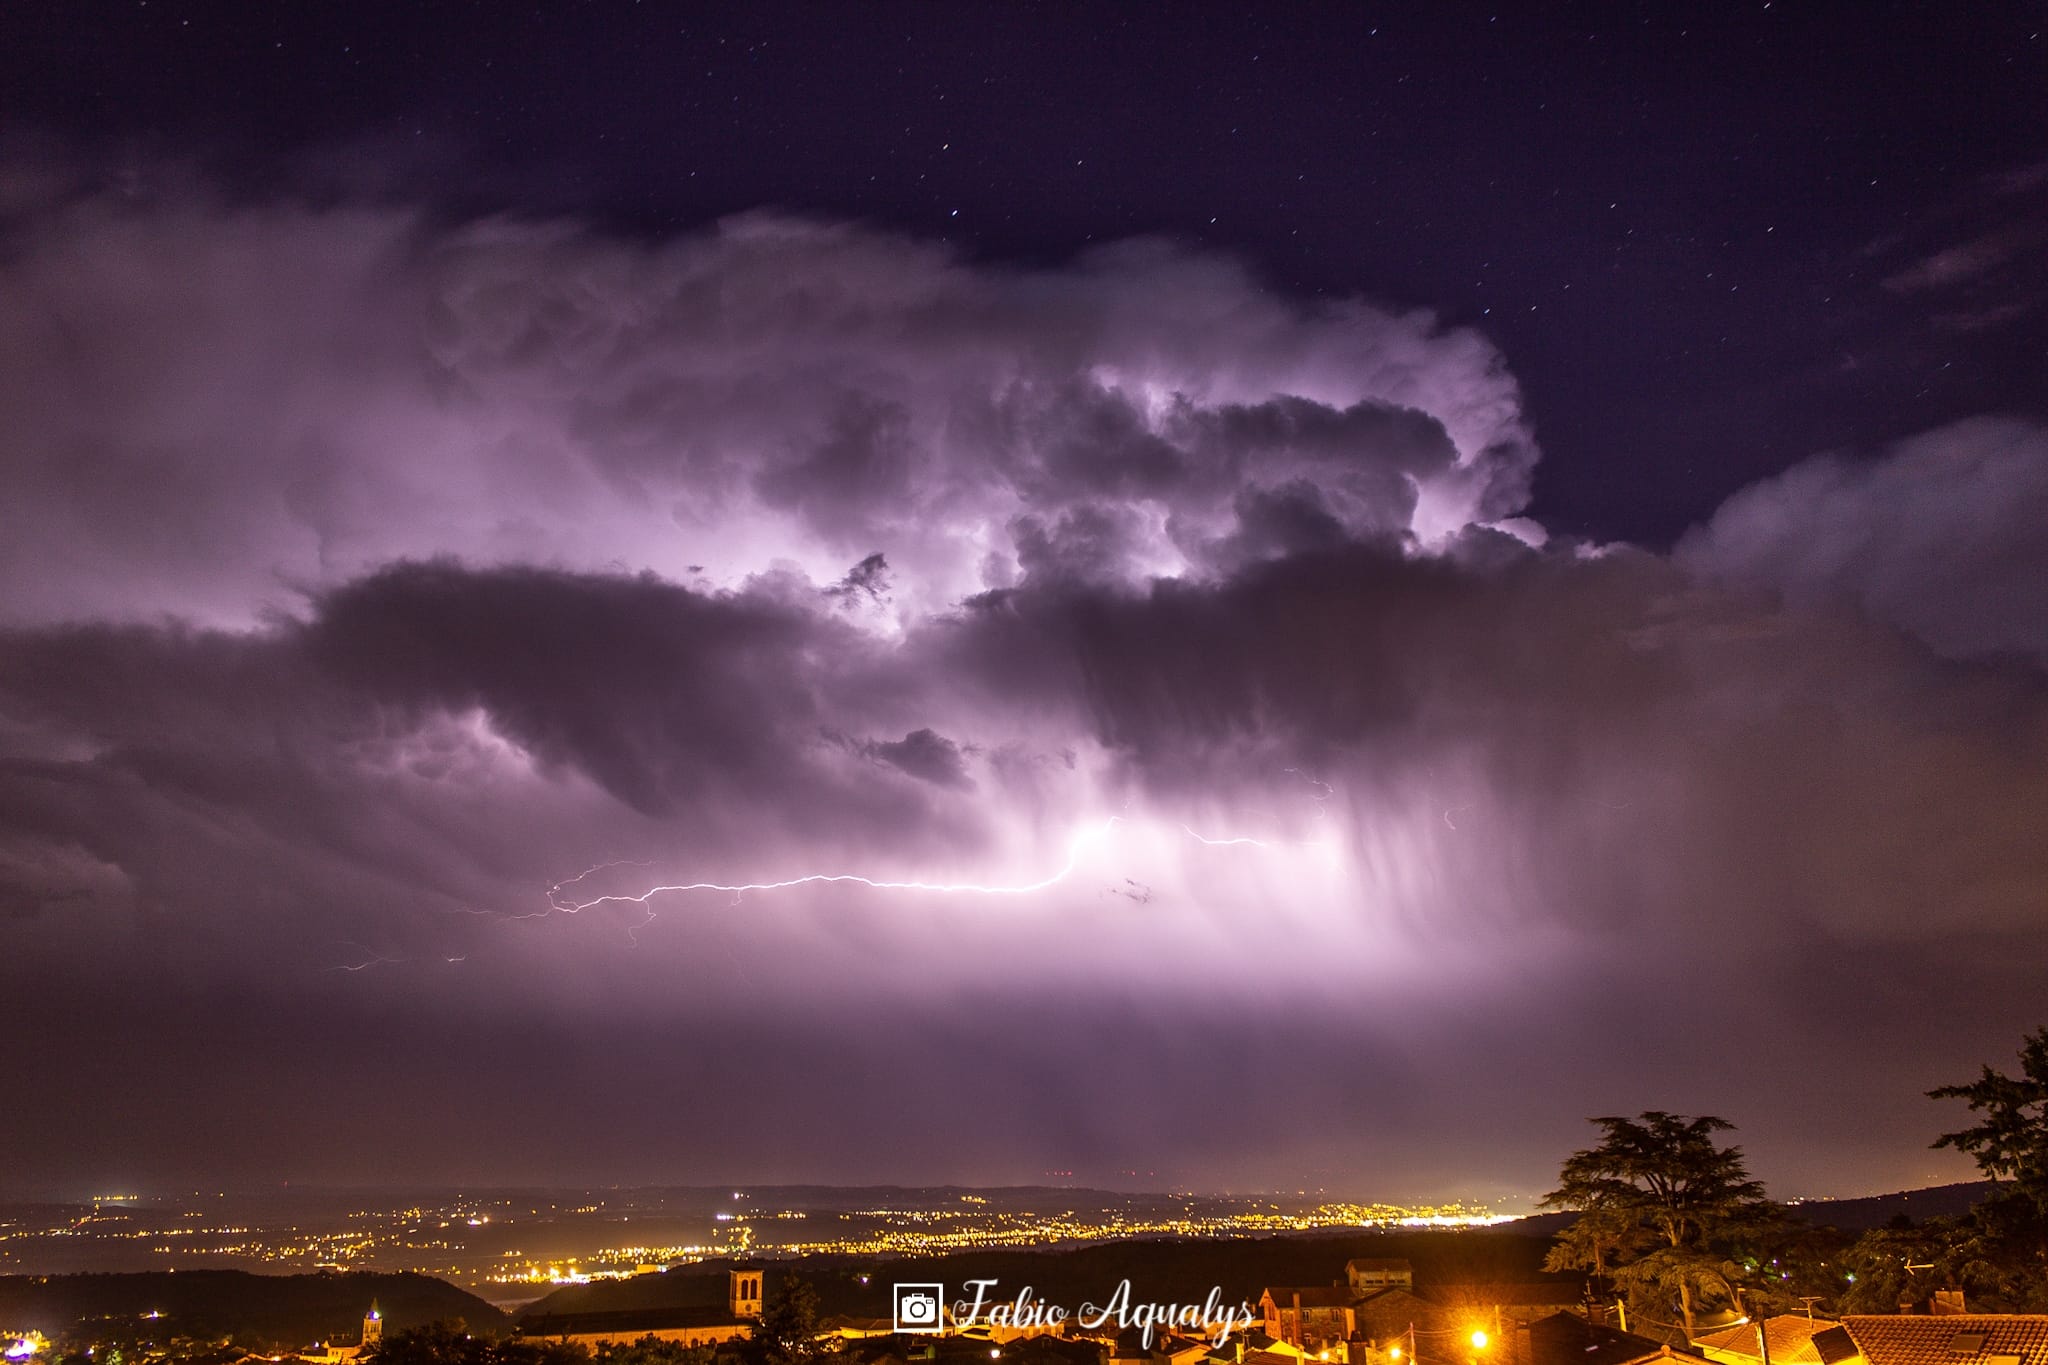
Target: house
(685,1325)
(327,1353)
(1168,1349)
(1950,1338)
(1372,1273)
(1179,1350)
(1385,1315)
(1500,1307)
(1130,1349)
(851,1327)
(1244,1345)
(1567,1339)
(1310,1317)
(1793,1339)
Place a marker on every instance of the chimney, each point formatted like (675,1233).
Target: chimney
(1947,1301)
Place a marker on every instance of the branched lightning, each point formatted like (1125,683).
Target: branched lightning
(370,959)
(1230,841)
(562,900)
(555,892)
(1077,846)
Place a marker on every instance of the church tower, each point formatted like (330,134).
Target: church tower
(373,1326)
(746,1291)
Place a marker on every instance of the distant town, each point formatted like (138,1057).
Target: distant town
(514,1245)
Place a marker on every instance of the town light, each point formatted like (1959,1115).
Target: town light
(1478,1341)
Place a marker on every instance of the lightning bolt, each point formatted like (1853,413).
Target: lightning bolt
(555,891)
(1076,847)
(562,900)
(370,959)
(1231,841)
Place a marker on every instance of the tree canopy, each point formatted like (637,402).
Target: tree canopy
(2011,1143)
(1655,1197)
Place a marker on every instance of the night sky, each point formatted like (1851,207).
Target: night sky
(1369,582)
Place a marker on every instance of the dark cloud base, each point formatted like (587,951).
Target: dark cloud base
(1611,837)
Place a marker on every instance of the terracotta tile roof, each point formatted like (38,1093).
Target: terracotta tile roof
(1952,1339)
(1795,1340)
(1270,1358)
(1379,1263)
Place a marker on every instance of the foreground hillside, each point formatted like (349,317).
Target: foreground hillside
(257,1310)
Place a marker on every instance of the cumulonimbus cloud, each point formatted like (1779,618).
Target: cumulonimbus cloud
(215,405)
(390,605)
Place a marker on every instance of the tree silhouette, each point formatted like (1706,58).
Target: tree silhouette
(788,1329)
(1660,1193)
(2011,1144)
(2011,1147)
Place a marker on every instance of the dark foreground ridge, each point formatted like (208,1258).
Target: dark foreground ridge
(256,1310)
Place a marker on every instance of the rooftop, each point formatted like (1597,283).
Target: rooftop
(630,1320)
(1567,1339)
(1795,1339)
(1560,1293)
(1952,1339)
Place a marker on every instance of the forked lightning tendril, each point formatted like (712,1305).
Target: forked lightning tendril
(1075,848)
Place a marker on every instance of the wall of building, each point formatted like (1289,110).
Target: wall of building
(682,1336)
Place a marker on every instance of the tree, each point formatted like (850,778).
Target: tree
(1661,1194)
(2011,1144)
(652,1350)
(440,1343)
(521,1352)
(1603,1236)
(789,1322)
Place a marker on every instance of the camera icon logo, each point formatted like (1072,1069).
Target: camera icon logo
(918,1307)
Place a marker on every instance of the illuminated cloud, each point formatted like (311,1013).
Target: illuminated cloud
(391,605)
(216,405)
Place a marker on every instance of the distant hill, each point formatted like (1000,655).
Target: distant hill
(1158,1269)
(1858,1215)
(283,1310)
(1846,1215)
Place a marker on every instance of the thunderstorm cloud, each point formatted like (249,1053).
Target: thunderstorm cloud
(390,603)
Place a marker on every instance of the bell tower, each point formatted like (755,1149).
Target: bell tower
(745,1292)
(373,1326)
